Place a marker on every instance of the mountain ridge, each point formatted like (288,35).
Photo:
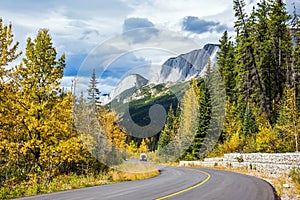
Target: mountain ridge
(189,65)
(179,69)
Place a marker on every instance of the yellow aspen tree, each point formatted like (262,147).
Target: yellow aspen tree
(288,123)
(189,121)
(143,146)
(9,129)
(49,145)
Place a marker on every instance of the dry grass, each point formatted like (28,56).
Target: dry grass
(125,172)
(133,171)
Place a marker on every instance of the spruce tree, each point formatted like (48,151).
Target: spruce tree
(296,64)
(168,132)
(249,127)
(215,103)
(243,59)
(227,67)
(263,51)
(93,90)
(204,102)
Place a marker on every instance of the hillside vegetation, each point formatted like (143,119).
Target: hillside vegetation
(260,71)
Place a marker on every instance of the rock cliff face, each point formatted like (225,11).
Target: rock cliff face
(187,66)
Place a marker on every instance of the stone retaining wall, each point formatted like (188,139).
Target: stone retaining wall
(271,163)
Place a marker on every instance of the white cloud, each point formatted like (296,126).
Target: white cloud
(70,22)
(168,14)
(67,82)
(95,27)
(169,10)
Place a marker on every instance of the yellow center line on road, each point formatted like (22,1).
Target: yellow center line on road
(189,188)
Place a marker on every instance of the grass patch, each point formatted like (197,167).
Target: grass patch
(125,172)
(59,183)
(133,171)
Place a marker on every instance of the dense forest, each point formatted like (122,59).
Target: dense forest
(42,134)
(260,67)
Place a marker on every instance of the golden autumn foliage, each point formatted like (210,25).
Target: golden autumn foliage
(38,140)
(288,126)
(40,134)
(143,146)
(267,140)
(189,120)
(235,142)
(112,130)
(132,147)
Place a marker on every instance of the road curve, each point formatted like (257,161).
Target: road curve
(176,183)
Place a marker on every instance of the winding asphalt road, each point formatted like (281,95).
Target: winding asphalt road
(176,183)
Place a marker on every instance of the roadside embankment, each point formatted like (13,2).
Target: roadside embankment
(273,164)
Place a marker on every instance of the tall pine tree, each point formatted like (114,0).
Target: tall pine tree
(226,65)
(93,90)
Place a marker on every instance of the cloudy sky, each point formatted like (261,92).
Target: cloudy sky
(117,37)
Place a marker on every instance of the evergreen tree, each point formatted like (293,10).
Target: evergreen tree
(263,52)
(296,64)
(227,66)
(167,144)
(88,127)
(93,90)
(251,83)
(215,105)
(204,118)
(168,132)
(249,126)
(281,42)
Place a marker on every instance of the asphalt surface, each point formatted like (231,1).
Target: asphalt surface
(176,183)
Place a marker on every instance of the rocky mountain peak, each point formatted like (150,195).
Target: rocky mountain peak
(187,66)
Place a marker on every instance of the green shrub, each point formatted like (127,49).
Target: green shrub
(240,159)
